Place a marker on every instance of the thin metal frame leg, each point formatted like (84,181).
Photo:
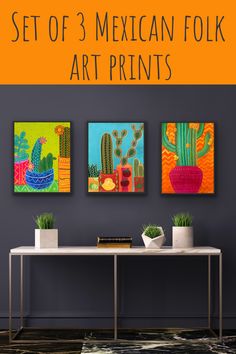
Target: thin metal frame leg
(21,291)
(10,298)
(209,292)
(220,296)
(115,296)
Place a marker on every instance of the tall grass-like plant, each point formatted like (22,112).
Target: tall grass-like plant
(182,219)
(151,230)
(45,221)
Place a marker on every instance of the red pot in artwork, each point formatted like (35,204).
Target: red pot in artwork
(125,178)
(20,169)
(109,182)
(186,179)
(139,184)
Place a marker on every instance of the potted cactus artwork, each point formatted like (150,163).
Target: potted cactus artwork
(112,149)
(93,175)
(42,157)
(125,170)
(40,173)
(108,178)
(138,176)
(21,158)
(64,169)
(187,158)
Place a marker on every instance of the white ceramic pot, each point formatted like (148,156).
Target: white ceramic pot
(156,242)
(46,238)
(182,236)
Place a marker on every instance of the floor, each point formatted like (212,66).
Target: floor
(146,341)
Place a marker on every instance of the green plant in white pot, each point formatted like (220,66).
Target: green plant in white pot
(153,236)
(182,231)
(45,235)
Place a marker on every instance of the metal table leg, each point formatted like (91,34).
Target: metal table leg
(115,296)
(220,296)
(21,291)
(209,292)
(10,298)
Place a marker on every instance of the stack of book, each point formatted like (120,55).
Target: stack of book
(114,242)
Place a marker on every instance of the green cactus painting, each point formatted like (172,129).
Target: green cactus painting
(137,134)
(93,171)
(21,158)
(187,158)
(46,163)
(36,153)
(21,147)
(106,154)
(185,146)
(112,149)
(138,168)
(39,147)
(138,176)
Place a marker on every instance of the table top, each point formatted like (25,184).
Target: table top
(93,250)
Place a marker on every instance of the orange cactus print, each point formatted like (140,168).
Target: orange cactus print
(205,163)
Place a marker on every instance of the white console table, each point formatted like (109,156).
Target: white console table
(115,253)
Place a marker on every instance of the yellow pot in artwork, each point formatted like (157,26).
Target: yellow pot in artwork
(108,184)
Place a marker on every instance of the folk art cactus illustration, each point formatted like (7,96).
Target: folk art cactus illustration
(40,173)
(108,179)
(138,176)
(187,158)
(64,168)
(119,144)
(21,158)
(93,175)
(124,168)
(47,149)
(106,154)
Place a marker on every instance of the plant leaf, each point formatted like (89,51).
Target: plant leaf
(22,135)
(124,133)
(138,134)
(115,133)
(131,152)
(118,152)
(124,160)
(25,146)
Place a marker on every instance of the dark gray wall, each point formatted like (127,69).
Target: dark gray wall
(60,290)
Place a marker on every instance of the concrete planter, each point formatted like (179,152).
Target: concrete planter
(156,242)
(182,236)
(46,238)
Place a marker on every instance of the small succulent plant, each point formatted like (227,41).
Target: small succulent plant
(152,230)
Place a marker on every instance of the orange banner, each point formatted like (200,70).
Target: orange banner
(123,42)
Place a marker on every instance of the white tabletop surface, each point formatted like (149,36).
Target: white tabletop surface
(93,250)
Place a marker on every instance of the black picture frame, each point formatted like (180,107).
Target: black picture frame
(144,157)
(71,158)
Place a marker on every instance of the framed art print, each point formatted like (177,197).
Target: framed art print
(116,157)
(42,157)
(188,158)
